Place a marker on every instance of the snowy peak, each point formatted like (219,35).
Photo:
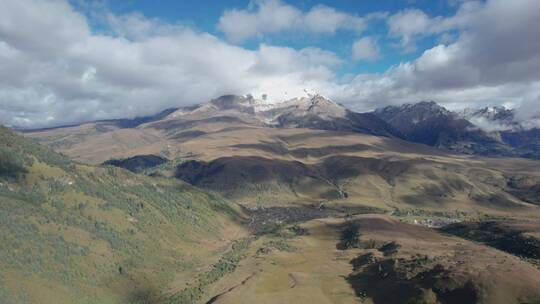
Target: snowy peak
(490,113)
(266,111)
(312,111)
(491,118)
(314,105)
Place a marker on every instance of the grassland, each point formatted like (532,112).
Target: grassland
(388,261)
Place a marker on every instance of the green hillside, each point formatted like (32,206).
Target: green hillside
(73,233)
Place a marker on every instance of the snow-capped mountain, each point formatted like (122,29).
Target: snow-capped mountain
(267,111)
(429,123)
(491,118)
(487,131)
(494,113)
(312,111)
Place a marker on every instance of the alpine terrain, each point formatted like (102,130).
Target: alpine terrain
(269,151)
(328,204)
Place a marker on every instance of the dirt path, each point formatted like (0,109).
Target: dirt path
(215,298)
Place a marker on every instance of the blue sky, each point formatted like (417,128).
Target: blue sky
(67,61)
(204,16)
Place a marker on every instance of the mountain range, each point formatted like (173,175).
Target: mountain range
(490,131)
(241,199)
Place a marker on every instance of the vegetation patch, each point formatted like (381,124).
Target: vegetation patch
(298,230)
(280,245)
(138,163)
(404,281)
(499,235)
(226,264)
(350,238)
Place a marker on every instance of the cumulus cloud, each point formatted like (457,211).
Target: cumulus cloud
(490,62)
(528,113)
(137,26)
(490,125)
(365,48)
(273,16)
(409,25)
(54,70)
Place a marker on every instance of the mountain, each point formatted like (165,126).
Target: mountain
(431,124)
(315,112)
(490,131)
(97,142)
(74,233)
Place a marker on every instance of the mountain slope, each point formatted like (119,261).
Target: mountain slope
(73,233)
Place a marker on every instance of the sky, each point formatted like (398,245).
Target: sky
(65,62)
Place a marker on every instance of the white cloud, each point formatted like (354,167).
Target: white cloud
(324,19)
(365,48)
(136,26)
(409,25)
(273,16)
(54,70)
(528,113)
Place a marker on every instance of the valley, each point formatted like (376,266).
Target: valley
(235,202)
(269,151)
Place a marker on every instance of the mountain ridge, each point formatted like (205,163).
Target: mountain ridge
(425,122)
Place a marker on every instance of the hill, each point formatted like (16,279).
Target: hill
(74,233)
(273,166)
